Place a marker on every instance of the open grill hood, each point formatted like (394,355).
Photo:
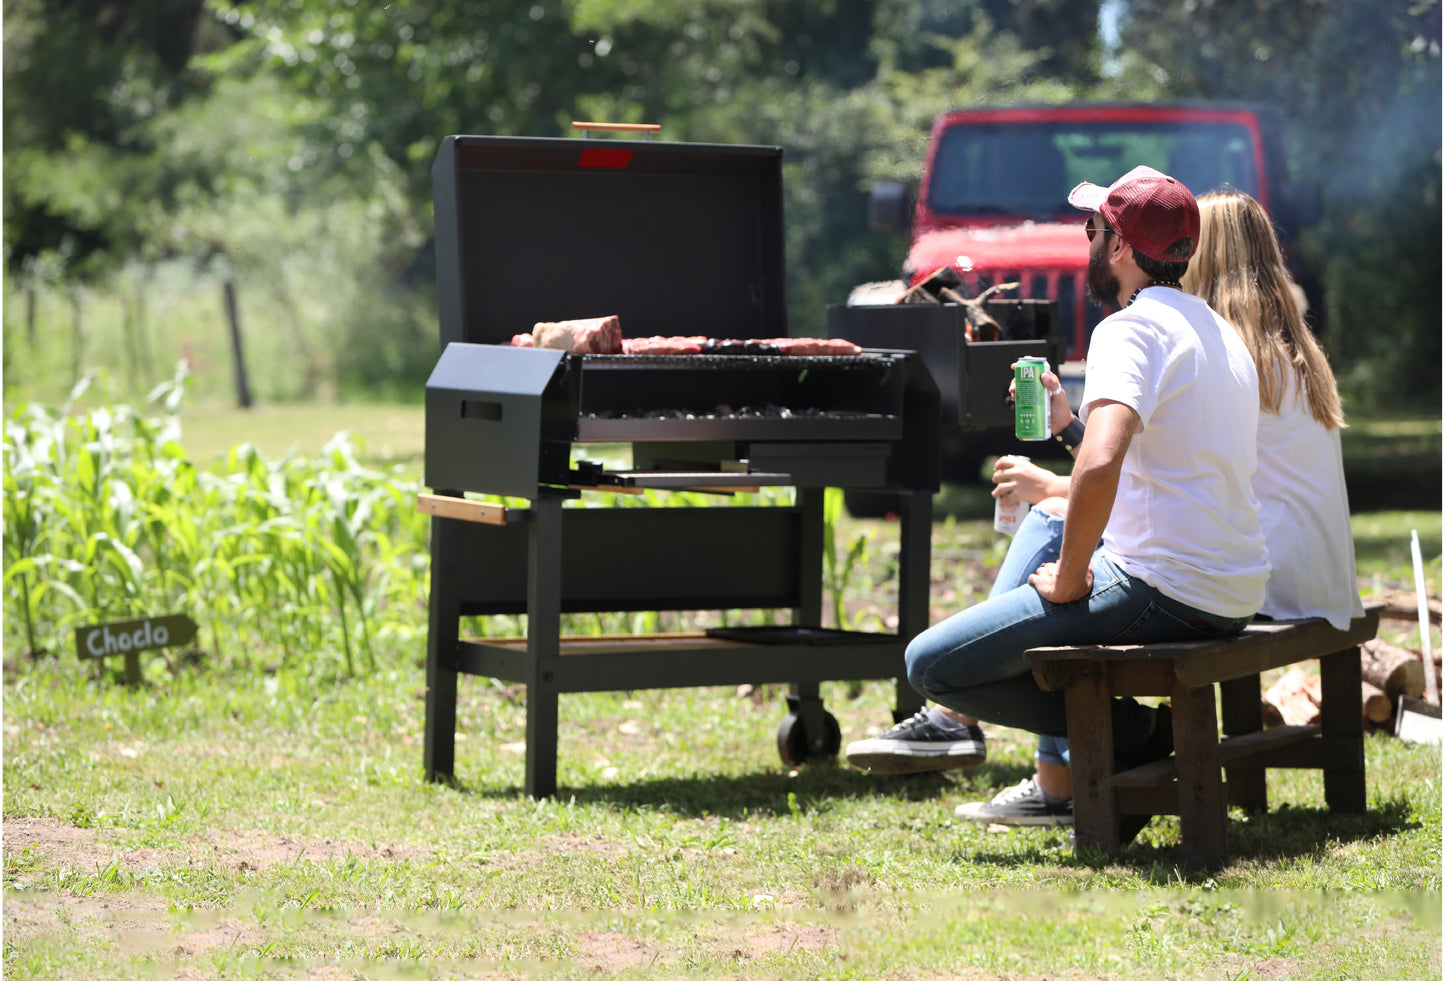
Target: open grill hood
(673,238)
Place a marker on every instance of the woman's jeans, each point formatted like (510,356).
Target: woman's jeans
(974,662)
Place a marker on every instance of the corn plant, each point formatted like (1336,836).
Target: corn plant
(294,563)
(106,517)
(838,570)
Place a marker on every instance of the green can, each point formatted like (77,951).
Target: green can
(1031,400)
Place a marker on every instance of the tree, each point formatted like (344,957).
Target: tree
(85,81)
(1359,85)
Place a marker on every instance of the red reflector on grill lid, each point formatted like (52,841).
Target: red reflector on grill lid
(597,157)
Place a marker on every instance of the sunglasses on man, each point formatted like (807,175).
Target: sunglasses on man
(1091,231)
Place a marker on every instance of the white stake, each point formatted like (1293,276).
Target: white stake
(1432,691)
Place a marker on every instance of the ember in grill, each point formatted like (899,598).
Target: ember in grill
(728,412)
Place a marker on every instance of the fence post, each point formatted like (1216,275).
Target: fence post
(77,347)
(243,390)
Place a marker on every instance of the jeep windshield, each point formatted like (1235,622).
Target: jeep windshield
(1027,169)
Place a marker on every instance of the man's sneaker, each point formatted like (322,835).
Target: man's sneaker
(1021,806)
(918,745)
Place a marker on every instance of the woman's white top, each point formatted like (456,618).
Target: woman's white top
(1305,514)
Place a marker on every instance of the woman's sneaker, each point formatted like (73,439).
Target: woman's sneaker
(919,745)
(1021,806)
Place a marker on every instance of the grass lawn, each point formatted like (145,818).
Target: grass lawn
(222,827)
(385,433)
(255,823)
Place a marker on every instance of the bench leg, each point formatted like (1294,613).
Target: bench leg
(1201,791)
(1091,758)
(1342,726)
(1241,712)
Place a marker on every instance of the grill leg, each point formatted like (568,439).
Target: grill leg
(544,640)
(915,534)
(444,614)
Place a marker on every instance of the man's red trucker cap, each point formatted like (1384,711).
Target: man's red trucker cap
(1149,210)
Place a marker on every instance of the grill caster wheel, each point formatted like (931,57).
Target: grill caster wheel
(797,743)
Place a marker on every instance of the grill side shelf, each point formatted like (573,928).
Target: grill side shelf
(462,509)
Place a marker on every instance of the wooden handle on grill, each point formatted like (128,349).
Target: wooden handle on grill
(620,127)
(442,506)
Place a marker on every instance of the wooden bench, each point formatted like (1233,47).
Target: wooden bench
(1189,783)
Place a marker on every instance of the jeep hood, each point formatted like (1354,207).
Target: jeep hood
(1035,247)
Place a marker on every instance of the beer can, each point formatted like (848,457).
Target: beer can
(1009,511)
(1031,399)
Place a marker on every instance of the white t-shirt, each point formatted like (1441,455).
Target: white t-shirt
(1185,519)
(1305,513)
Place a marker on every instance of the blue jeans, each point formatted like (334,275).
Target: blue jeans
(974,662)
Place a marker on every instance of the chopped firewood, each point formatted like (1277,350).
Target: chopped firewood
(1295,697)
(1394,670)
(1375,704)
(1403,605)
(942,286)
(985,327)
(927,289)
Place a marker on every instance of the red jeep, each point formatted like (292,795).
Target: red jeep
(992,198)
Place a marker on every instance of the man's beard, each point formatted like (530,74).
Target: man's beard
(1102,284)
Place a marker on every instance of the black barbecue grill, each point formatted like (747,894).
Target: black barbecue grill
(675,239)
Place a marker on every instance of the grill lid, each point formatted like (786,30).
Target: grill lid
(664,235)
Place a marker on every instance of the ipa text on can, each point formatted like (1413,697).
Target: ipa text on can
(1009,509)
(1031,400)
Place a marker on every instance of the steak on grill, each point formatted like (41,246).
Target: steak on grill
(598,335)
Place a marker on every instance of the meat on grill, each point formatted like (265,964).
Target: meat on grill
(785,346)
(815,346)
(598,335)
(603,335)
(664,345)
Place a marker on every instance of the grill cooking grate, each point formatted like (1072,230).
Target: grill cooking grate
(731,362)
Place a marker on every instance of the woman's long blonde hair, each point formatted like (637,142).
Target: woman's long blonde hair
(1239,270)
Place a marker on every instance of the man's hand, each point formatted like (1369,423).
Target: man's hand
(1046,581)
(1026,481)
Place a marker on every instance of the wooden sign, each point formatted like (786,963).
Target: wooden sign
(130,637)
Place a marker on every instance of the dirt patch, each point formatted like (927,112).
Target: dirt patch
(609,952)
(613,952)
(53,842)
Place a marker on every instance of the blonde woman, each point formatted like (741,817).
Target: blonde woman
(1300,481)
(1300,484)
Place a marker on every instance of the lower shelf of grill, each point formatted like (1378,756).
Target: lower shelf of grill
(685,660)
(664,480)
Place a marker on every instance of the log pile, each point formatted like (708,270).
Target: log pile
(1387,672)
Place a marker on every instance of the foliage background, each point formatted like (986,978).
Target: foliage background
(157,149)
